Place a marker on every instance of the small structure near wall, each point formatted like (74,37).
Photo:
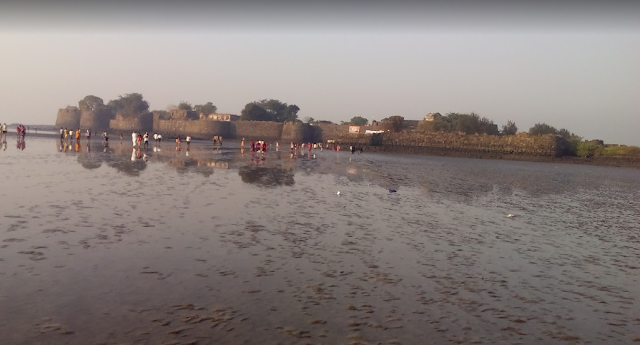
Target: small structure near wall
(220,117)
(354,129)
(432,116)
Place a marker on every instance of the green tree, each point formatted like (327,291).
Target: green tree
(272,110)
(563,132)
(510,128)
(359,121)
(254,112)
(206,109)
(131,104)
(541,129)
(396,122)
(468,123)
(309,120)
(184,106)
(91,103)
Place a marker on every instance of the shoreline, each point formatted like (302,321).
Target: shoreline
(618,162)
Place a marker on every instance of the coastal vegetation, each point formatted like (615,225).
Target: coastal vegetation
(467,123)
(358,121)
(270,110)
(129,105)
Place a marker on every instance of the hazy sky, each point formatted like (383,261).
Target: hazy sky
(574,67)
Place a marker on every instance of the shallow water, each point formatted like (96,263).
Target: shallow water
(220,247)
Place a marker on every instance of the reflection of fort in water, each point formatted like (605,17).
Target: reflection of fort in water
(265,170)
(433,177)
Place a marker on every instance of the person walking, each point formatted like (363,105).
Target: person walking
(188,141)
(146,140)
(134,138)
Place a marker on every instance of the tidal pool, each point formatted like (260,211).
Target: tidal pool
(215,246)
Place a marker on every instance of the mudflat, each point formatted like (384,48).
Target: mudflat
(108,245)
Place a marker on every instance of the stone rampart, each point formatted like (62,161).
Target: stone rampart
(141,123)
(198,129)
(68,117)
(296,132)
(330,131)
(442,143)
(256,130)
(97,120)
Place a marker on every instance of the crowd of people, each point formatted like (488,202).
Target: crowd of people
(141,141)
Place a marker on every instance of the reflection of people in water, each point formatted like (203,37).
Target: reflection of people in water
(4,145)
(78,145)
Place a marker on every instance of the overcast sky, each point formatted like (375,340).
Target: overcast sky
(572,67)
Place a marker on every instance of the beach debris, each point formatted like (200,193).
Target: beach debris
(338,193)
(392,190)
(510,215)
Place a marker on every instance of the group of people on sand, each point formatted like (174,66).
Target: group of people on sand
(69,134)
(142,140)
(306,146)
(22,131)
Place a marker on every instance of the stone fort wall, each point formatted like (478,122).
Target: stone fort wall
(458,144)
(198,129)
(95,120)
(142,123)
(257,130)
(68,117)
(440,143)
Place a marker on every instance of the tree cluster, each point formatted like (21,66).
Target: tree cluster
(206,109)
(358,121)
(131,104)
(466,123)
(269,110)
(543,128)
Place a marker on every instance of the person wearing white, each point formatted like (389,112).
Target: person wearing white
(134,138)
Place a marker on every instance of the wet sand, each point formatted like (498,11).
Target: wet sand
(223,248)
